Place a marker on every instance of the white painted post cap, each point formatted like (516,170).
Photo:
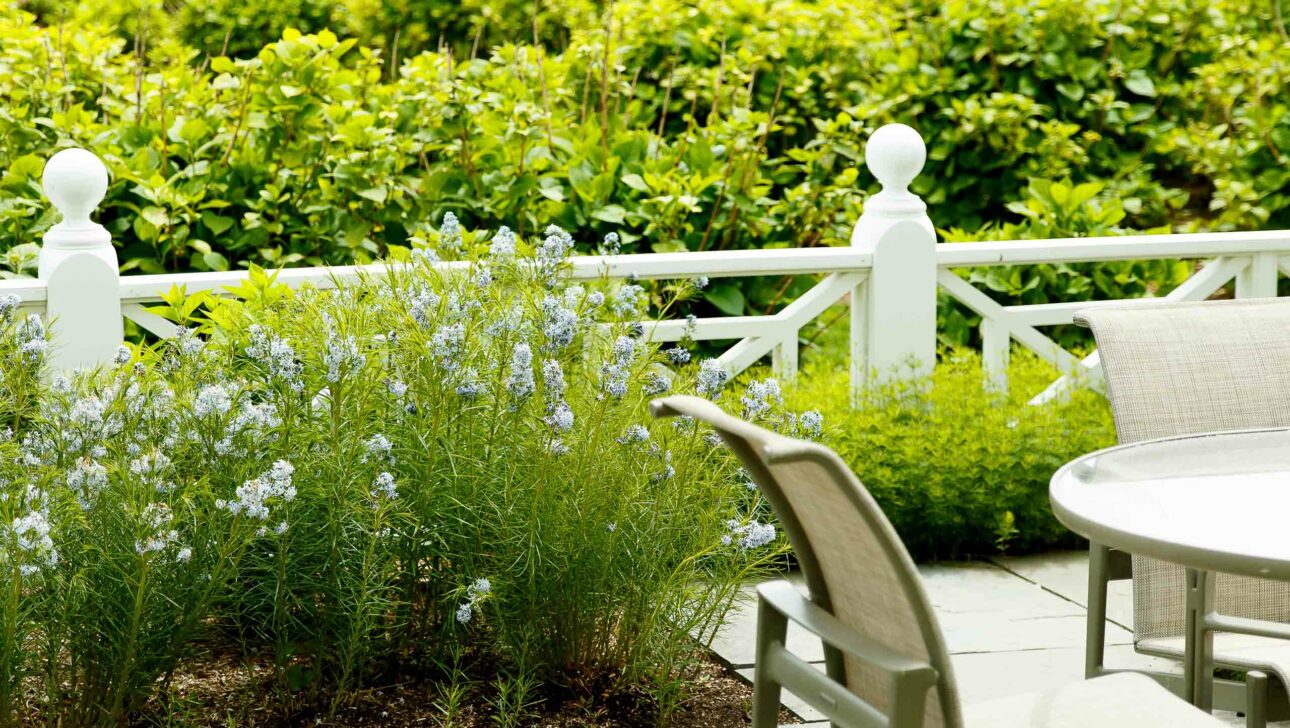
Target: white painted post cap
(895,154)
(75,181)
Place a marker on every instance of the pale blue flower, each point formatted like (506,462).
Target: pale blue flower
(384,487)
(628,300)
(446,345)
(657,383)
(9,303)
(503,244)
(423,306)
(520,382)
(560,417)
(634,434)
(340,354)
(469,385)
(678,355)
(712,377)
(450,232)
(213,399)
(561,323)
(379,448)
(553,380)
(759,397)
(812,423)
(555,245)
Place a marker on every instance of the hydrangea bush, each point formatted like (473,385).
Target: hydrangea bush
(447,459)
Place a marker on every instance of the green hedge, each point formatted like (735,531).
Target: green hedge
(959,470)
(682,125)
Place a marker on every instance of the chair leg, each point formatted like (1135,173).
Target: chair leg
(1095,633)
(772,628)
(1256,699)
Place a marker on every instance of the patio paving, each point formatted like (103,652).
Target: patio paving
(1013,625)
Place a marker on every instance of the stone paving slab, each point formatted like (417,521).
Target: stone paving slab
(1066,573)
(1012,626)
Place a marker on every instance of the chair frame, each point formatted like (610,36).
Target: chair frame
(910,679)
(1256,696)
(780,601)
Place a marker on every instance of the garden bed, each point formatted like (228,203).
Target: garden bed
(221,688)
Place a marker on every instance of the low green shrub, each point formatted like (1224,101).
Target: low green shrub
(958,469)
(432,463)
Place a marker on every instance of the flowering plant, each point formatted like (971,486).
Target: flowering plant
(441,457)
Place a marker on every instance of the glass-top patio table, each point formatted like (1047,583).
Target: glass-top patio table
(1210,503)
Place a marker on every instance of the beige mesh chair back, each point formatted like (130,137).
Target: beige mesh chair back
(893,656)
(1187,368)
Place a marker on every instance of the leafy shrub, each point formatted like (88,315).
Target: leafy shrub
(686,125)
(960,470)
(387,474)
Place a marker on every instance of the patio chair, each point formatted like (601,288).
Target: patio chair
(886,661)
(1181,369)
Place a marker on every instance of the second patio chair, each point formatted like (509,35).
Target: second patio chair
(1181,369)
(886,660)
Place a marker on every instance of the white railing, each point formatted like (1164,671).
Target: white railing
(890,275)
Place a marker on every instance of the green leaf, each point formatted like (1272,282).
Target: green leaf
(217,224)
(611,213)
(375,194)
(1140,83)
(636,182)
(215,261)
(727,297)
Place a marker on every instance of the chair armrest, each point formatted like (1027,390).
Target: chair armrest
(784,598)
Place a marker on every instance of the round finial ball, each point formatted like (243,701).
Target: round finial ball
(75,181)
(895,155)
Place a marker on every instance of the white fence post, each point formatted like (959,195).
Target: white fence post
(79,266)
(893,314)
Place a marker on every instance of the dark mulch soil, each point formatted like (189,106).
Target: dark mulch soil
(228,691)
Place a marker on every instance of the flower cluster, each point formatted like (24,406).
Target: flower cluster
(384,488)
(31,339)
(520,382)
(556,244)
(760,397)
(31,534)
(9,303)
(502,246)
(254,496)
(634,434)
(87,479)
(277,355)
(450,233)
(469,385)
(559,415)
(212,400)
(378,448)
(712,378)
(628,300)
(159,535)
(748,535)
(446,345)
(340,354)
(561,323)
(475,594)
(615,373)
